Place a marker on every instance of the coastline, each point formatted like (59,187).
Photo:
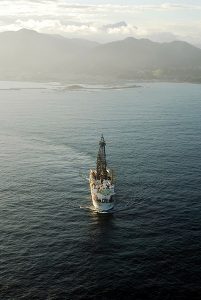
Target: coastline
(78,86)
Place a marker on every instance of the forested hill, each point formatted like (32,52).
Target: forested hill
(29,55)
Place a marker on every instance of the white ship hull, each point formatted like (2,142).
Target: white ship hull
(102,207)
(102,194)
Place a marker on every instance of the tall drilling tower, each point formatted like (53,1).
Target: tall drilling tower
(101,161)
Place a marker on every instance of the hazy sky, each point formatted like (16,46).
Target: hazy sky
(106,20)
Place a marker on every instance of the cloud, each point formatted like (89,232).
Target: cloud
(163,36)
(59,27)
(121,28)
(101,21)
(115,25)
(60,7)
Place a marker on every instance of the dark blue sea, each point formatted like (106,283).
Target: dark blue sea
(50,248)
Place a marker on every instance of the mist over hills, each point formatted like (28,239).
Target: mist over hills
(29,55)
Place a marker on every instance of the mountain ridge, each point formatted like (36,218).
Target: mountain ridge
(30,55)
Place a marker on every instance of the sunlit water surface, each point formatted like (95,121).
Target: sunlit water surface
(50,248)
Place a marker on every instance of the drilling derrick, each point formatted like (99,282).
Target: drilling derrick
(101,161)
(101,183)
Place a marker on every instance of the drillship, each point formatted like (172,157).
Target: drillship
(101,182)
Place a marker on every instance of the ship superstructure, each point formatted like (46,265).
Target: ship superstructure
(102,182)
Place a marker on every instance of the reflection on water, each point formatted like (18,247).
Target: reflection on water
(150,246)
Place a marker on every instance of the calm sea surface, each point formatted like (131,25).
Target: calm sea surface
(50,248)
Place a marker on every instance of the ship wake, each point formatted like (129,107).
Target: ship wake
(116,209)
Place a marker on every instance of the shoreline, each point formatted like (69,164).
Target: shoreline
(97,82)
(64,86)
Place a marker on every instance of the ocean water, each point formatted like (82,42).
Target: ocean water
(50,248)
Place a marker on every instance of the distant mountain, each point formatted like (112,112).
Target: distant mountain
(144,59)
(198,46)
(29,55)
